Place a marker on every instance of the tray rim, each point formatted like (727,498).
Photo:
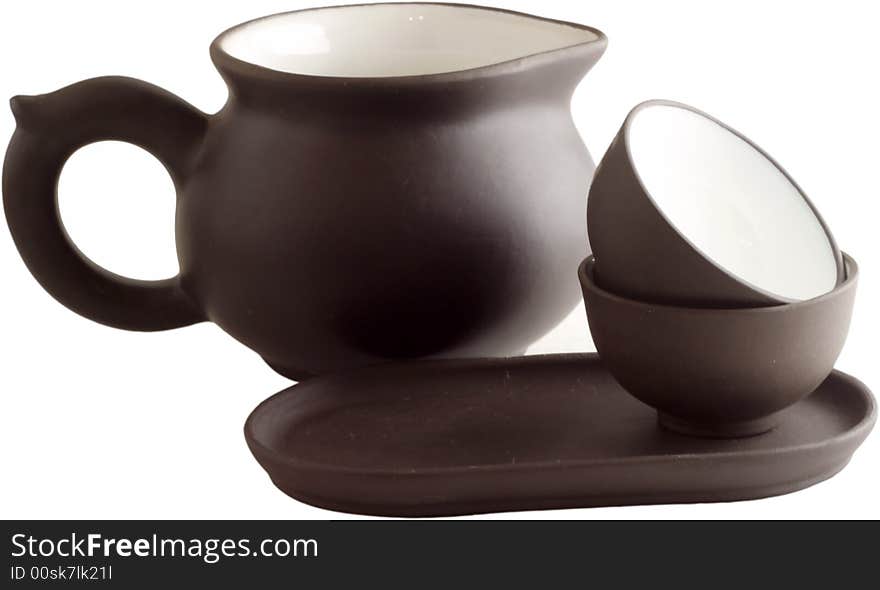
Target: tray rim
(856,433)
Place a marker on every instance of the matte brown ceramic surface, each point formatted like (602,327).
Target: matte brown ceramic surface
(455,437)
(331,222)
(640,254)
(719,372)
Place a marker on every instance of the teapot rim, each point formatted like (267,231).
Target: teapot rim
(225,61)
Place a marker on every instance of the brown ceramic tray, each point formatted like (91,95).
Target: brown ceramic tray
(455,437)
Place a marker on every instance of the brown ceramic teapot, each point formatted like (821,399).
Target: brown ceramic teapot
(385,181)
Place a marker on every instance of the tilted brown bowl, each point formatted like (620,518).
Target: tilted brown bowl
(719,372)
(684,210)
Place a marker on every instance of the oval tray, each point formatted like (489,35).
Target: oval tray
(468,436)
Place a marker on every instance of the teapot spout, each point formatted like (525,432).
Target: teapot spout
(572,63)
(587,54)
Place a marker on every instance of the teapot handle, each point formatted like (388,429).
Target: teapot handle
(50,128)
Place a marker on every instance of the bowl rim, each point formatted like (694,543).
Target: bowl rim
(630,160)
(587,279)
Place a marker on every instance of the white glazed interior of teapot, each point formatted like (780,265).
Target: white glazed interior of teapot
(731,202)
(395,39)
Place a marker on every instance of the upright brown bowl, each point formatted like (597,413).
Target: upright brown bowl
(718,372)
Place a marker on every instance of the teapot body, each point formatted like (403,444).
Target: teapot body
(325,240)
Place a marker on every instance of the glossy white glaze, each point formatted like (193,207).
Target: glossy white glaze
(731,202)
(394,39)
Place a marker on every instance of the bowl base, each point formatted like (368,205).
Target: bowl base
(741,429)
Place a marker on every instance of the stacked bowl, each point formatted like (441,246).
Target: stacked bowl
(715,292)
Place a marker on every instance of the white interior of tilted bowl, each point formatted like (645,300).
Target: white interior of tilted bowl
(394,39)
(731,202)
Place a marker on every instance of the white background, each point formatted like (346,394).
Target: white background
(103,423)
